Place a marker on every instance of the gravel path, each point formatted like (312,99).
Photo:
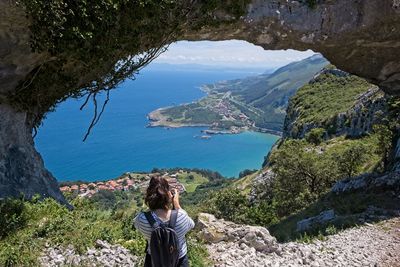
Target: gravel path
(369,245)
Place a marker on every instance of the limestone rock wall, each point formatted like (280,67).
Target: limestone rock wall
(16,58)
(22,169)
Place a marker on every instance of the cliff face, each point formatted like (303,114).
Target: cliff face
(22,169)
(360,37)
(369,108)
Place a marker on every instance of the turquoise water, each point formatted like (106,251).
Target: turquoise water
(121,142)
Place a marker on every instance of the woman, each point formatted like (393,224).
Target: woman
(160,200)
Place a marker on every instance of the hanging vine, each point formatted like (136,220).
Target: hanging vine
(94,45)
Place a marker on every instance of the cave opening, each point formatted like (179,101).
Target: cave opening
(358,37)
(121,143)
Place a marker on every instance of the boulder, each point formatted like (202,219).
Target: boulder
(322,218)
(350,184)
(213,230)
(368,181)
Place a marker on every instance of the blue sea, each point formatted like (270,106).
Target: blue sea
(121,142)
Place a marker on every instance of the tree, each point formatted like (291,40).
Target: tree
(231,205)
(385,145)
(316,136)
(350,161)
(302,176)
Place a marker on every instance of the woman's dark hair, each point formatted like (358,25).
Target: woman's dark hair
(157,196)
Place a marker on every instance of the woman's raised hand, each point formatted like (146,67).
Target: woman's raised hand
(175,199)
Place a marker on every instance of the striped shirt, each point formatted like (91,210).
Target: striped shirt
(183,225)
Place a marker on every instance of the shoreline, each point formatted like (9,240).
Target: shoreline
(156,119)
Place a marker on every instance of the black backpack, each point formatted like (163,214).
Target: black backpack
(164,243)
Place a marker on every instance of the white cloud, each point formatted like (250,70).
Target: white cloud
(232,53)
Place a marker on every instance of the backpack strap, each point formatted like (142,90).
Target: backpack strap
(150,218)
(173,218)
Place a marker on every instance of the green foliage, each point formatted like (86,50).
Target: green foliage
(231,204)
(199,116)
(385,145)
(262,213)
(316,136)
(305,172)
(191,113)
(345,205)
(324,98)
(108,200)
(350,161)
(199,198)
(28,226)
(303,175)
(49,222)
(197,253)
(192,180)
(13,216)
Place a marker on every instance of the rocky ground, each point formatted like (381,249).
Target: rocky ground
(231,244)
(103,254)
(368,245)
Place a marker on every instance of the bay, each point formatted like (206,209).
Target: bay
(121,142)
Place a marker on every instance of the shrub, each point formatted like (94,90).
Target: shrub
(12,217)
(231,205)
(197,253)
(316,136)
(49,222)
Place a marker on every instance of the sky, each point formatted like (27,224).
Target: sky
(233,53)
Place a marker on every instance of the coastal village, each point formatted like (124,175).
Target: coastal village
(232,119)
(128,181)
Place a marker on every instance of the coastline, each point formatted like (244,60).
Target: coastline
(156,119)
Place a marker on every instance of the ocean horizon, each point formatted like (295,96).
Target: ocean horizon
(121,142)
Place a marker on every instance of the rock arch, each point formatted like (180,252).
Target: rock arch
(359,36)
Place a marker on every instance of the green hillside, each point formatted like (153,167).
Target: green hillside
(273,89)
(27,228)
(327,96)
(253,102)
(296,181)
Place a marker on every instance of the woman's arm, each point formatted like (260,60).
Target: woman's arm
(175,200)
(187,222)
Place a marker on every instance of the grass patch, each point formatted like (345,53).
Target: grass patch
(192,180)
(326,97)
